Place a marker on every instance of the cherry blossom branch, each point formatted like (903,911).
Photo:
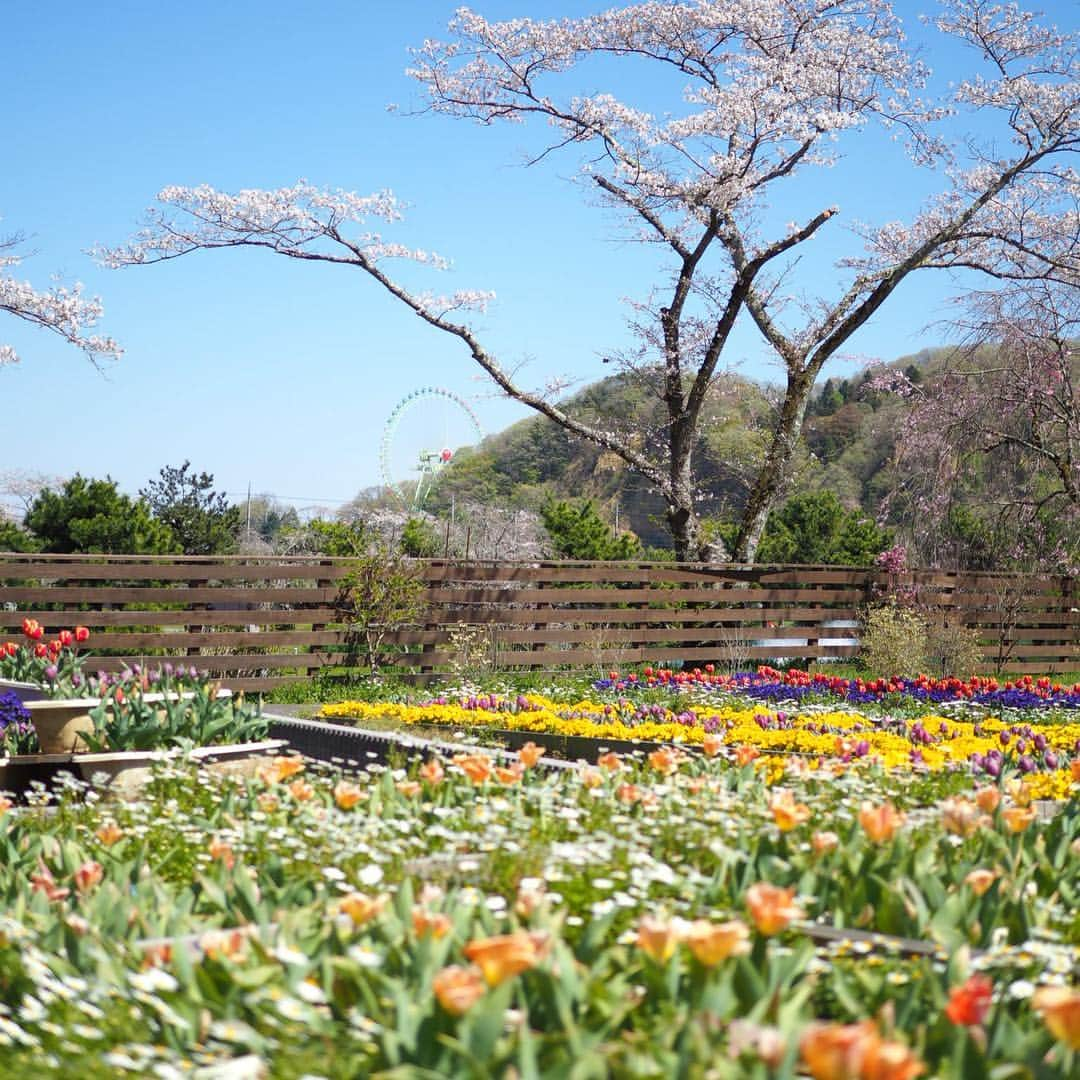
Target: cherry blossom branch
(61,310)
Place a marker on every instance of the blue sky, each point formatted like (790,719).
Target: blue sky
(280,375)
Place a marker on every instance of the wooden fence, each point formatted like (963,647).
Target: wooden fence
(264,622)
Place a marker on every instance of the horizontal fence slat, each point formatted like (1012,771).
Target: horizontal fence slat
(107,594)
(58,620)
(267,621)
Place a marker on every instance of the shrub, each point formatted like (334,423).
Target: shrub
(381,593)
(894,640)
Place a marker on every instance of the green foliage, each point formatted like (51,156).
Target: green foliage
(578,532)
(14,537)
(201,718)
(201,519)
(381,594)
(338,538)
(419,539)
(92,516)
(815,528)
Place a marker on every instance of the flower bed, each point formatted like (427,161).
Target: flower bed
(1048,755)
(769,684)
(652,918)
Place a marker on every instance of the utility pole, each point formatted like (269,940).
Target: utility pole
(248,528)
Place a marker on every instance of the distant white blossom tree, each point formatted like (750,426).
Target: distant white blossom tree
(771,90)
(64,311)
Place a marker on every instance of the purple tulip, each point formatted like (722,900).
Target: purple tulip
(51,672)
(1039,742)
(1050,760)
(1004,738)
(1026,764)
(992,766)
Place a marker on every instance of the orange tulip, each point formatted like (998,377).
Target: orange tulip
(591,778)
(659,938)
(268,802)
(771,907)
(1074,768)
(712,744)
(5,804)
(745,754)
(220,850)
(610,761)
(980,880)
(530,754)
(510,774)
(435,923)
(360,908)
(506,955)
(835,1051)
(458,988)
(969,1004)
(347,794)
(43,881)
(1017,818)
(889,1060)
(88,875)
(712,943)
(409,788)
(1059,1007)
(109,833)
(628,794)
(280,768)
(786,812)
(477,767)
(432,772)
(961,817)
(987,799)
(664,761)
(824,842)
(301,790)
(880,822)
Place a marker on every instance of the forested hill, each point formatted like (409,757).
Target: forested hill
(847,447)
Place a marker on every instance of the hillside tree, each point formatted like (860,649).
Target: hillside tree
(1002,416)
(772,92)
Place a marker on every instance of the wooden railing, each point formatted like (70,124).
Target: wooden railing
(263,622)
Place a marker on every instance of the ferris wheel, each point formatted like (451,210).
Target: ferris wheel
(420,438)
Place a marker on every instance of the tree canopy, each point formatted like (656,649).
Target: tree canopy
(767,93)
(201,519)
(93,516)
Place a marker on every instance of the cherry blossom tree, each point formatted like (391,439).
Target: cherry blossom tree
(64,311)
(772,90)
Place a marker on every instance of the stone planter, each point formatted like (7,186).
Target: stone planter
(59,723)
(127,771)
(24,691)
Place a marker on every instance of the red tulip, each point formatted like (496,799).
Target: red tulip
(969,1004)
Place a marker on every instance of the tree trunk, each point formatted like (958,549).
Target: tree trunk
(777,459)
(685,531)
(682,517)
